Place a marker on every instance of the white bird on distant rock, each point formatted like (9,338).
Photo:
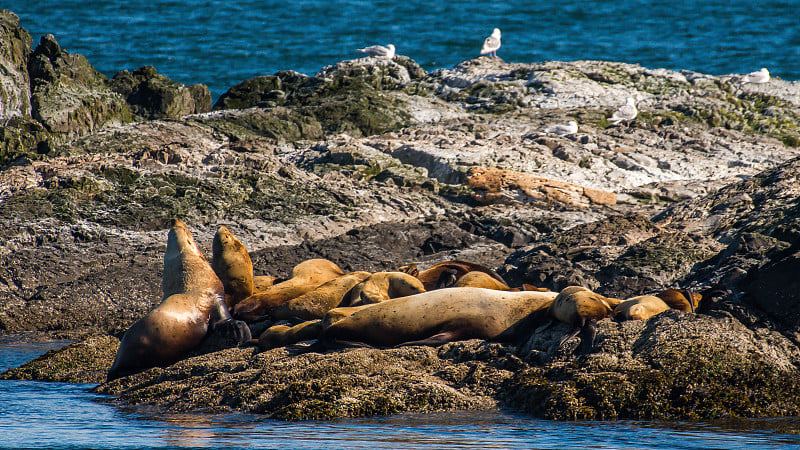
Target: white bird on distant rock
(758,77)
(570,128)
(626,112)
(491,43)
(379,51)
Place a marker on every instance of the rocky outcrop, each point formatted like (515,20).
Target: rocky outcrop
(154,96)
(14,82)
(376,164)
(68,96)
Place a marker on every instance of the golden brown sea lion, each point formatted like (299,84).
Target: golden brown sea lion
(382,286)
(337,314)
(644,307)
(306,276)
(641,307)
(581,308)
(436,277)
(283,335)
(193,304)
(262,282)
(482,280)
(439,316)
(233,266)
(680,299)
(314,304)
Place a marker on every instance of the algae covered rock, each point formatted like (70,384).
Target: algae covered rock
(153,96)
(15,49)
(675,366)
(86,361)
(68,96)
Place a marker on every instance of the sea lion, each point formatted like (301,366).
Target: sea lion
(306,276)
(481,279)
(233,266)
(681,299)
(193,304)
(314,304)
(581,308)
(644,307)
(437,317)
(262,282)
(434,276)
(283,335)
(337,314)
(382,286)
(641,307)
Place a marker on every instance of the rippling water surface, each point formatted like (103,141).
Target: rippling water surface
(221,43)
(63,415)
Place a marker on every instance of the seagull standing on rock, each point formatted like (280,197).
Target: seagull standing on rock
(626,112)
(758,77)
(570,128)
(491,43)
(379,51)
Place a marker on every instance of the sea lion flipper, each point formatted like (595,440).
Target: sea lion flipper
(433,341)
(588,336)
(235,332)
(574,332)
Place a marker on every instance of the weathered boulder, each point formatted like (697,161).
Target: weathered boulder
(494,185)
(68,96)
(154,96)
(15,49)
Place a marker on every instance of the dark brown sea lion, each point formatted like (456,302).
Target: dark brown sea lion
(382,286)
(233,266)
(436,317)
(193,304)
(306,276)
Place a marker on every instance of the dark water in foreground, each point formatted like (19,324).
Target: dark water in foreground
(223,42)
(62,415)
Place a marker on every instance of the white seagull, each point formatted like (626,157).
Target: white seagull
(570,128)
(626,112)
(379,51)
(491,43)
(761,76)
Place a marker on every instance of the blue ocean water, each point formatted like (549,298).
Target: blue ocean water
(222,42)
(64,415)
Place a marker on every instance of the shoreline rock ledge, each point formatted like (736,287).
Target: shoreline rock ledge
(376,164)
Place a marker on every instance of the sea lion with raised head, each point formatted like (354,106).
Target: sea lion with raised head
(581,308)
(233,266)
(382,286)
(306,276)
(193,304)
(436,317)
(314,304)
